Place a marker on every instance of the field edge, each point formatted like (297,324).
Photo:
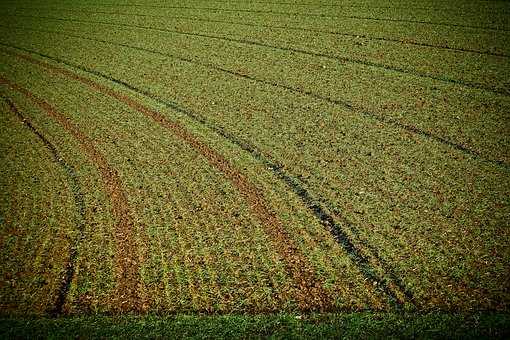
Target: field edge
(315,325)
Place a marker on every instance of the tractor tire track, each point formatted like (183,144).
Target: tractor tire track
(394,69)
(391,286)
(287,28)
(127,297)
(311,294)
(307,15)
(79,203)
(344,104)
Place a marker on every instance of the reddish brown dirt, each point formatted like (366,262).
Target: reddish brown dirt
(310,292)
(127,297)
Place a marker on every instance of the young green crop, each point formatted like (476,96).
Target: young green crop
(376,169)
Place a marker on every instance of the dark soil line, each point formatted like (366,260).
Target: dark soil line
(294,184)
(128,277)
(75,187)
(344,104)
(311,294)
(216,9)
(478,86)
(289,28)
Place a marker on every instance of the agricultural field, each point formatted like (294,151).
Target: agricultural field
(254,157)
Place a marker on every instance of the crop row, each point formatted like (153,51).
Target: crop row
(272,151)
(392,195)
(294,185)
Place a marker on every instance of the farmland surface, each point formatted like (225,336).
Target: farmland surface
(254,156)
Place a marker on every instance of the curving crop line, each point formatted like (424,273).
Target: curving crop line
(216,9)
(128,279)
(395,69)
(75,187)
(389,283)
(344,104)
(311,294)
(288,28)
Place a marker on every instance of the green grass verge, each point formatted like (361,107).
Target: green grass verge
(356,325)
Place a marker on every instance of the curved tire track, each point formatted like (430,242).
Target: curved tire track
(391,285)
(311,294)
(344,104)
(473,85)
(75,187)
(127,275)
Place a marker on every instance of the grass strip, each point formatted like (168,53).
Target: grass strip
(349,326)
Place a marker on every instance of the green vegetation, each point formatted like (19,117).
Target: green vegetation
(320,326)
(248,157)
